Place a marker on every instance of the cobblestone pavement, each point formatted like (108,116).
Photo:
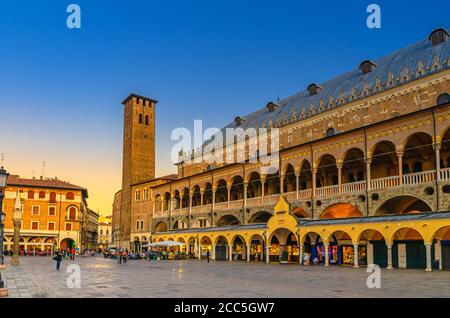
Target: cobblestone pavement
(37,277)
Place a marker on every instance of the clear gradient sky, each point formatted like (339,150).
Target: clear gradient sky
(61,89)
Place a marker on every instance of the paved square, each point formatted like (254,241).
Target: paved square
(100,277)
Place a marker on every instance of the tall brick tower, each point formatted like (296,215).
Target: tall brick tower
(138,159)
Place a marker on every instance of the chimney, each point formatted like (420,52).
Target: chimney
(438,36)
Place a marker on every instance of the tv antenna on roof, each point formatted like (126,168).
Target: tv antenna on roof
(3,158)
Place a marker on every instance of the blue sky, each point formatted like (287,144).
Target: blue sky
(212,60)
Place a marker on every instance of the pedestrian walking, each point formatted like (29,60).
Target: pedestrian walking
(119,257)
(207,255)
(58,258)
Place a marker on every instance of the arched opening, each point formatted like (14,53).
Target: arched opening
(384,161)
(442,247)
(272,184)
(313,249)
(176,200)
(403,205)
(161,227)
(196,196)
(419,154)
(283,246)
(221,252)
(72,213)
(289,179)
(353,167)
(207,195)
(239,248)
(166,201)
(158,203)
(227,220)
(408,250)
(185,198)
(137,244)
(327,173)
(305,178)
(341,211)
(221,191)
(341,250)
(205,246)
(299,213)
(375,246)
(191,247)
(254,185)
(237,188)
(260,217)
(179,224)
(257,248)
(67,243)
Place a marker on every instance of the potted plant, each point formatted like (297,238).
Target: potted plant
(284,257)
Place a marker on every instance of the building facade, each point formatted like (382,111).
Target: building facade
(90,230)
(104,232)
(367,150)
(52,213)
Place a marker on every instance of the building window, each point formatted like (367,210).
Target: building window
(35,225)
(42,195)
(146,120)
(443,99)
(140,118)
(142,225)
(72,213)
(51,226)
(145,194)
(138,195)
(101,232)
(51,211)
(107,232)
(52,197)
(35,210)
(31,195)
(137,225)
(70,196)
(330,132)
(68,227)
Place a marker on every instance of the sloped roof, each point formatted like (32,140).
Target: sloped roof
(16,180)
(405,65)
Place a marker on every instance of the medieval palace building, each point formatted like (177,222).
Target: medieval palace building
(364,173)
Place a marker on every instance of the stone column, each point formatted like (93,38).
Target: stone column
(229,194)
(400,166)
(389,256)
(355,255)
(191,194)
(247,249)
(245,193)
(300,253)
(368,176)
(15,258)
(314,173)
(281,183)
(199,251)
(213,197)
(263,182)
(297,184)
(327,257)
(202,192)
(230,253)
(213,252)
(267,254)
(428,255)
(339,165)
(437,148)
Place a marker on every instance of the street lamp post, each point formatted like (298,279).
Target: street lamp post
(3,182)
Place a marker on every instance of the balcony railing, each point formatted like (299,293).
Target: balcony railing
(383,183)
(353,187)
(445,174)
(410,179)
(419,177)
(327,191)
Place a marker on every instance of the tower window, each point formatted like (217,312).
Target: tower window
(140,118)
(146,120)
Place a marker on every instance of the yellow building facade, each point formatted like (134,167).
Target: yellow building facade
(53,213)
(363,169)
